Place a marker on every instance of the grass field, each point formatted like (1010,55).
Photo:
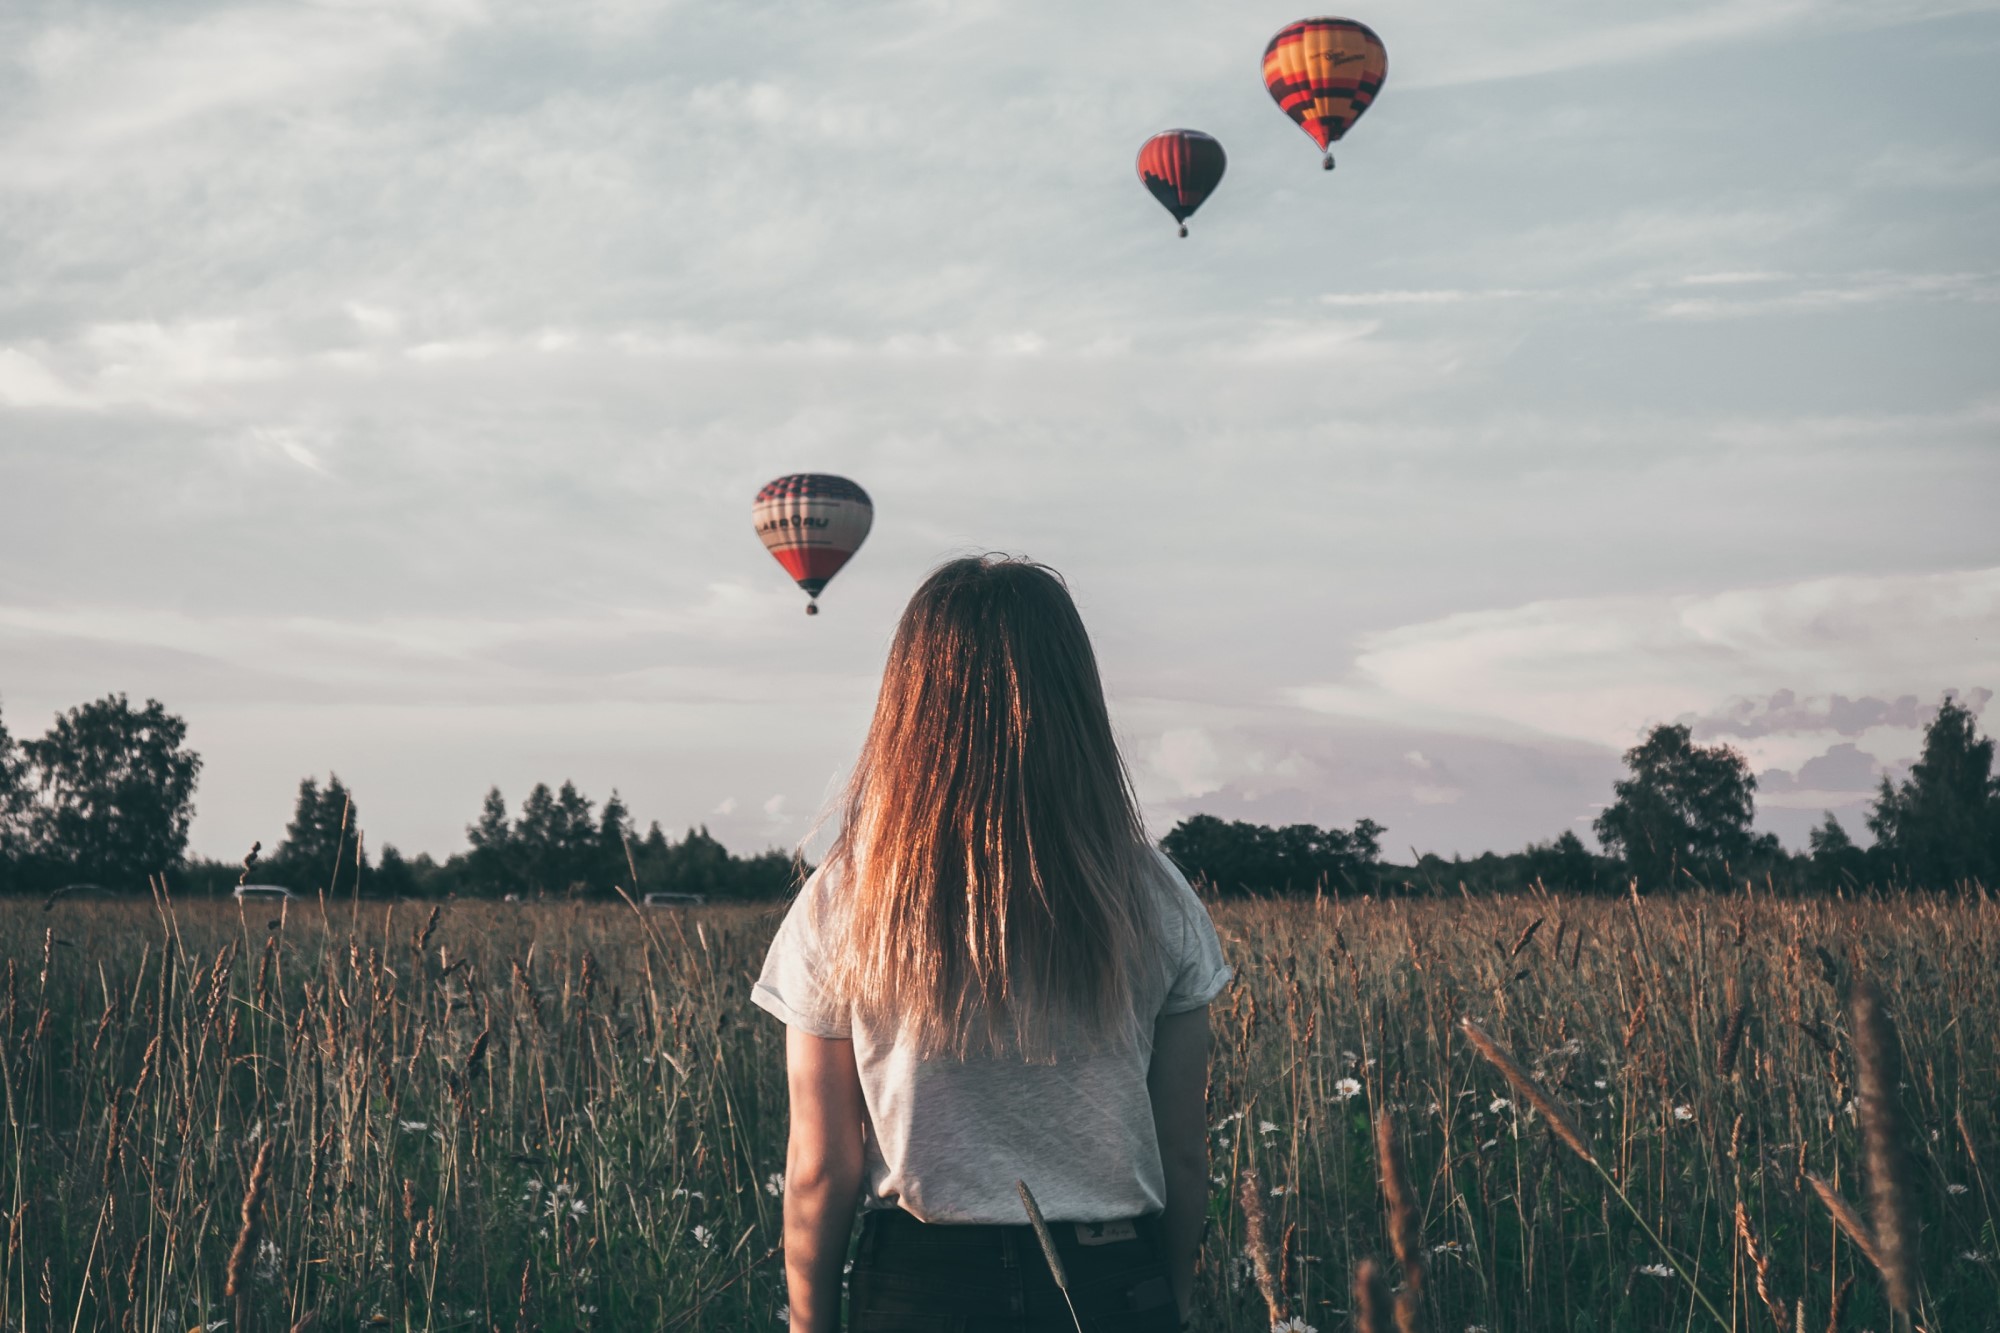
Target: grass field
(569,1117)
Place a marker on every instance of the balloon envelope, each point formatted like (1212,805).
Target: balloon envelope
(811,523)
(1181,168)
(1324,73)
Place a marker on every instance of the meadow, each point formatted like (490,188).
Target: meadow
(567,1116)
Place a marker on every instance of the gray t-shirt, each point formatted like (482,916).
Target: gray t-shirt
(947,1139)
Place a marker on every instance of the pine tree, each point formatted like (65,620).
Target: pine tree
(1942,826)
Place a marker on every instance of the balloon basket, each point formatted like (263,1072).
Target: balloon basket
(812,608)
(1184,231)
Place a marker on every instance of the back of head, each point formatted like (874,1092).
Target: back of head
(992,863)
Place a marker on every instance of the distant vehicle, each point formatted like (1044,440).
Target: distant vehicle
(675,899)
(85,891)
(262,893)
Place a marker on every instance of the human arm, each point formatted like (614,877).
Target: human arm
(1177,1082)
(823,1163)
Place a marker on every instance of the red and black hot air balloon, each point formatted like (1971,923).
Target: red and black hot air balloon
(1181,168)
(1324,73)
(811,523)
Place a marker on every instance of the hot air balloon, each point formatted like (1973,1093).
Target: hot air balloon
(1324,73)
(811,523)
(1181,168)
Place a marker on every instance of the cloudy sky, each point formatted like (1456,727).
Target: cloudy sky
(384,383)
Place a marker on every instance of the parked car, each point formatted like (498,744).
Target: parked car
(262,893)
(84,891)
(676,899)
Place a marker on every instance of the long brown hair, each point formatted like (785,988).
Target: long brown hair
(992,867)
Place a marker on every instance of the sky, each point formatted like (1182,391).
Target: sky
(384,385)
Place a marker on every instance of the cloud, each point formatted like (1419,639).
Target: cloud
(1841,771)
(27,383)
(1482,54)
(1784,713)
(1599,669)
(1859,290)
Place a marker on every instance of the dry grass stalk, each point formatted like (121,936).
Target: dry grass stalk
(1250,1194)
(246,1239)
(1878,1057)
(1048,1244)
(1527,935)
(1844,1217)
(1371,1298)
(1405,1225)
(1732,1039)
(1636,1021)
(1840,1299)
(1559,1120)
(1761,1262)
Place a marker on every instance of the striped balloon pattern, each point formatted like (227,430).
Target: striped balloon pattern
(812,523)
(1324,73)
(1181,168)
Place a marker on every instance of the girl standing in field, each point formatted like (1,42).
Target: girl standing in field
(993,977)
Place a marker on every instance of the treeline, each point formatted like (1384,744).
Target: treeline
(104,799)
(560,845)
(1681,818)
(106,796)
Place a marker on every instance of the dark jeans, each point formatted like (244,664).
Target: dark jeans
(913,1277)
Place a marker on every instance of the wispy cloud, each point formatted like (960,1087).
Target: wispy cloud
(1859,290)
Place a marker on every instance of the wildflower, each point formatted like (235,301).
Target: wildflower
(1498,1105)
(1683,1113)
(1346,1088)
(1954,1188)
(1277,1190)
(269,1260)
(1656,1270)
(1266,1127)
(1598,1082)
(1490,1143)
(703,1236)
(414,1126)
(1296,1324)
(774,1184)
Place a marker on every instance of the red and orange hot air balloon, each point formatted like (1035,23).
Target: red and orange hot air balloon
(1324,73)
(811,523)
(1181,168)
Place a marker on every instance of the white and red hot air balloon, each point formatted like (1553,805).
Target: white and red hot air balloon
(811,523)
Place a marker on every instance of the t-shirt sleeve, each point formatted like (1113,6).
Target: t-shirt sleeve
(790,986)
(1199,970)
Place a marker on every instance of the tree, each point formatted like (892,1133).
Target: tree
(13,797)
(115,790)
(1834,854)
(1943,824)
(1562,864)
(555,838)
(614,826)
(323,841)
(491,862)
(1686,807)
(1299,858)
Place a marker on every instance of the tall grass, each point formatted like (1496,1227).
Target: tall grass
(569,1117)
